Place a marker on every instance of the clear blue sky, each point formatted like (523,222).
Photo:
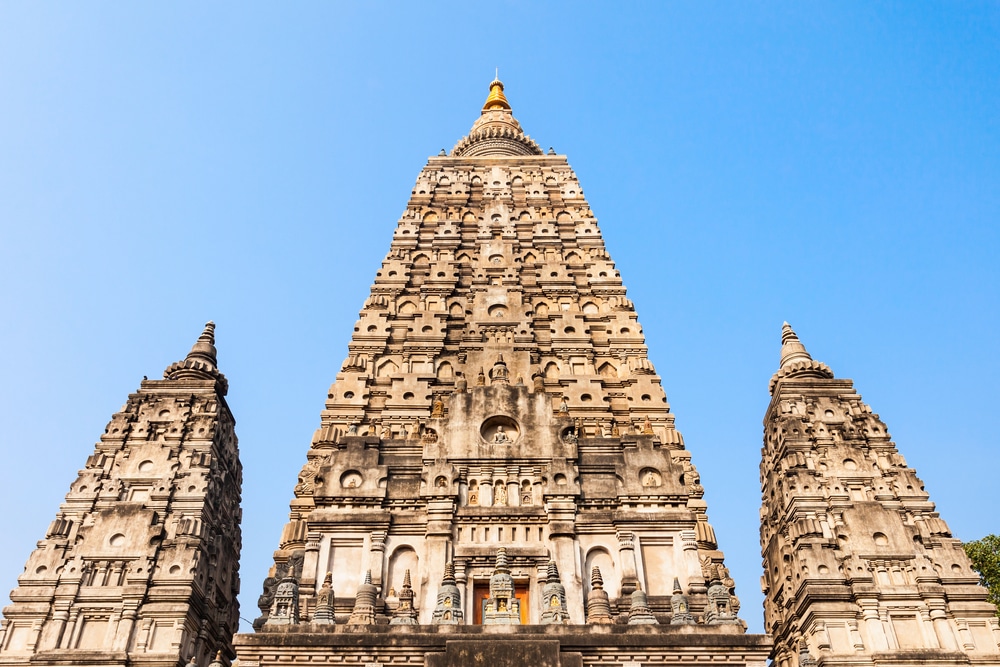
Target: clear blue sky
(833,164)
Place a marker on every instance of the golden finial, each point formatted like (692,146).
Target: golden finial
(496,99)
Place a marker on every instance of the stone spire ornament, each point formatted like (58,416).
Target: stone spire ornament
(679,608)
(795,361)
(639,612)
(285,606)
(324,614)
(554,609)
(364,603)
(502,607)
(448,610)
(405,614)
(217,662)
(500,374)
(201,362)
(598,605)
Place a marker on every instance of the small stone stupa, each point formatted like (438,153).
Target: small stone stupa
(364,603)
(598,605)
(502,608)
(679,607)
(405,614)
(554,609)
(639,612)
(324,614)
(448,610)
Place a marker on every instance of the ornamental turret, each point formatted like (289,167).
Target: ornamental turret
(858,564)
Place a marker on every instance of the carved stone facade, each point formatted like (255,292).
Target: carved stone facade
(497,433)
(141,565)
(859,569)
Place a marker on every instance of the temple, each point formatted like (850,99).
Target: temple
(496,480)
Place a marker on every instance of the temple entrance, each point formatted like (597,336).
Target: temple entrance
(481,592)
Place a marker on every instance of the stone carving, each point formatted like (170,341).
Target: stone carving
(502,607)
(481,378)
(437,411)
(364,603)
(719,609)
(598,605)
(499,437)
(285,607)
(405,614)
(500,495)
(553,598)
(448,610)
(324,602)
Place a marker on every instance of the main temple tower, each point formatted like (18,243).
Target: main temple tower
(497,450)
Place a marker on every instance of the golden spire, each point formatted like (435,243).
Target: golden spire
(496,99)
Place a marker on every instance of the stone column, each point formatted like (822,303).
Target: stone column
(626,553)
(942,628)
(876,633)
(376,558)
(461,581)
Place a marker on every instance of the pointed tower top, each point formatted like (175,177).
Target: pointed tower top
(496,132)
(552,572)
(406,580)
(449,574)
(677,585)
(795,360)
(596,580)
(368,578)
(792,349)
(501,565)
(204,347)
(201,362)
(496,99)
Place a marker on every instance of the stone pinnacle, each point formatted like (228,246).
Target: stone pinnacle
(792,349)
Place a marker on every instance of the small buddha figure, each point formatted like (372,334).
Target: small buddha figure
(520,381)
(647,426)
(352,429)
(500,496)
(437,409)
(386,433)
(615,432)
(564,406)
(500,437)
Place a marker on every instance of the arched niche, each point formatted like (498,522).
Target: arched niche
(601,558)
(403,558)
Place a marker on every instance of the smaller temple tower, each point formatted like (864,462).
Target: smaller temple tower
(140,565)
(859,569)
